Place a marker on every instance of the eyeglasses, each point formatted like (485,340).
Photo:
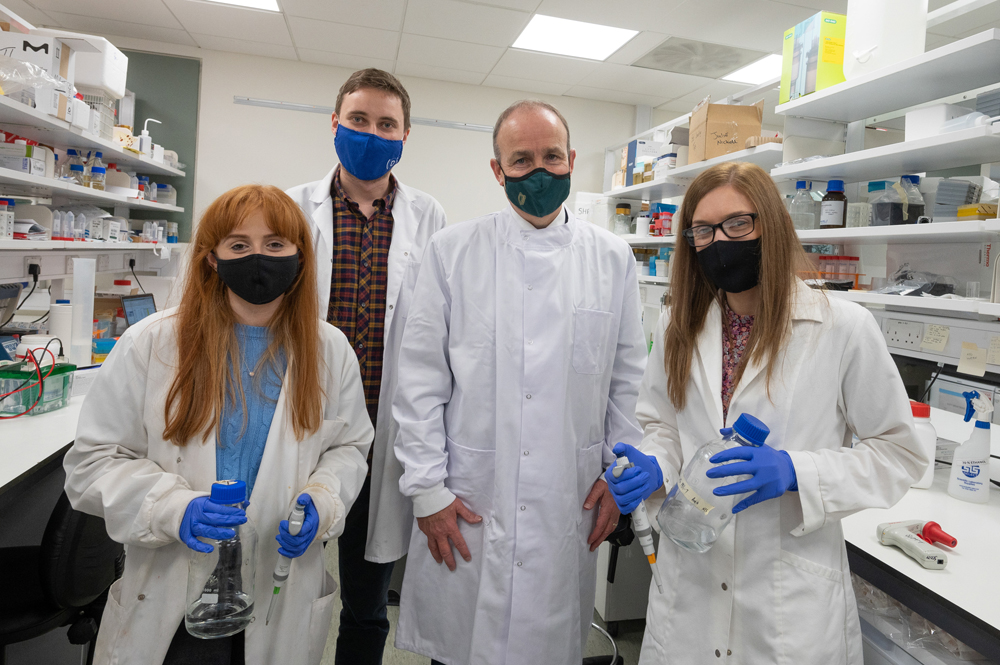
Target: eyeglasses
(734,227)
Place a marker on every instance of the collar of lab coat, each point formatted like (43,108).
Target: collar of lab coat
(553,236)
(807,305)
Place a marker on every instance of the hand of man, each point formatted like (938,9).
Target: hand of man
(607,513)
(442,527)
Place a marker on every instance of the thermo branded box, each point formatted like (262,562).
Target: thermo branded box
(719,129)
(812,56)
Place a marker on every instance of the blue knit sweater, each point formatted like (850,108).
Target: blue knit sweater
(239,452)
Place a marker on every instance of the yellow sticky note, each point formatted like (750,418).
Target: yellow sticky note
(833,51)
(935,337)
(993,357)
(972,360)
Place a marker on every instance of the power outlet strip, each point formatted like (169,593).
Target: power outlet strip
(903,334)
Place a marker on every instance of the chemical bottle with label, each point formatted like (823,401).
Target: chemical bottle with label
(692,516)
(970,468)
(927,437)
(802,208)
(833,208)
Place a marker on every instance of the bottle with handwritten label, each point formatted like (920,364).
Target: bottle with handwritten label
(692,516)
(833,207)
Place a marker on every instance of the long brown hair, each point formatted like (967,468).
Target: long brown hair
(692,293)
(205,378)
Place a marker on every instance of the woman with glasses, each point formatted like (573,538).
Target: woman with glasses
(744,334)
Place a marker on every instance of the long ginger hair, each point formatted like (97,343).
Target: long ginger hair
(207,373)
(692,293)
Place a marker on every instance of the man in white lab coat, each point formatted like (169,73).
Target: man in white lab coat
(520,366)
(369,232)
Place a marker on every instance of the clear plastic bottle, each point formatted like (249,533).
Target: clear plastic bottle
(692,516)
(151,190)
(802,208)
(927,436)
(220,589)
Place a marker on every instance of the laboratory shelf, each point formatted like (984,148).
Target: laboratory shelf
(676,182)
(942,306)
(49,130)
(978,145)
(16,183)
(970,63)
(941,232)
(650,241)
(95,246)
(645,279)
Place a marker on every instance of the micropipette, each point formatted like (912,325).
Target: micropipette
(640,520)
(295,519)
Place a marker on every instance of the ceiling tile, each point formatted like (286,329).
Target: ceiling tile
(151,12)
(243,46)
(676,107)
(543,67)
(520,5)
(385,14)
(354,62)
(835,6)
(463,21)
(420,50)
(642,81)
(235,22)
(537,87)
(757,25)
(438,73)
(718,90)
(601,94)
(637,47)
(103,26)
(632,14)
(341,38)
(32,15)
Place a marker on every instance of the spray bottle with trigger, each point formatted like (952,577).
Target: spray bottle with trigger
(970,468)
(295,519)
(145,140)
(640,520)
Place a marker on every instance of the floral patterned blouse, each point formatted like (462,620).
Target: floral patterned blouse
(734,343)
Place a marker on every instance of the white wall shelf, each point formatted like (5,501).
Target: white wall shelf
(15,183)
(677,180)
(49,130)
(942,232)
(939,306)
(979,145)
(645,279)
(650,241)
(967,64)
(97,246)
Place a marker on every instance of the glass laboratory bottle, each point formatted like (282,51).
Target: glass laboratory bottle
(802,208)
(623,219)
(692,516)
(220,588)
(833,208)
(76,174)
(98,177)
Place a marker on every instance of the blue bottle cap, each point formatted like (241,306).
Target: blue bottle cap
(835,186)
(62,302)
(98,169)
(801,184)
(76,167)
(915,179)
(751,429)
(229,491)
(876,186)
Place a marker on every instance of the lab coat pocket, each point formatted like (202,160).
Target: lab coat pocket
(471,475)
(589,463)
(410,271)
(111,624)
(811,611)
(320,619)
(591,333)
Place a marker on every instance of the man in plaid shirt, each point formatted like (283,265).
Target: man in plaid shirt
(370,231)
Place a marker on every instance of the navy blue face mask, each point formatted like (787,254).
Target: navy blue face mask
(366,156)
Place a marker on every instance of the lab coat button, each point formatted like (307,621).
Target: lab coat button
(142,596)
(529,287)
(406,253)
(390,306)
(524,508)
(518,564)
(525,453)
(724,587)
(178,460)
(529,396)
(718,654)
(729,652)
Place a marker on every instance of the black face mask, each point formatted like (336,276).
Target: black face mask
(732,265)
(258,278)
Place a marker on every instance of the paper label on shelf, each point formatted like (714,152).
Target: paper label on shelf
(935,337)
(972,359)
(993,356)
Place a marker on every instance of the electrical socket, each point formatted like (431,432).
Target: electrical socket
(103,262)
(126,257)
(28,260)
(69,264)
(903,334)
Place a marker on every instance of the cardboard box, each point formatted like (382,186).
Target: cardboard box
(677,135)
(812,56)
(719,129)
(47,52)
(22,158)
(640,151)
(54,102)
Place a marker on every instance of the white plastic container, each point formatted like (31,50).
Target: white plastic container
(880,33)
(35,345)
(927,437)
(926,122)
(105,71)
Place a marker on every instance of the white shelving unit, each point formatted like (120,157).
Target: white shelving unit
(967,64)
(87,246)
(661,281)
(650,241)
(14,183)
(942,306)
(677,180)
(940,232)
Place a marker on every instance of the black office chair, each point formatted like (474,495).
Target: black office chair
(64,581)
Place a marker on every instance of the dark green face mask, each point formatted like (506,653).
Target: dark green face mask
(538,193)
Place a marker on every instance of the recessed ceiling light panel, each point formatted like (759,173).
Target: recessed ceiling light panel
(687,56)
(573,38)
(765,69)
(266,5)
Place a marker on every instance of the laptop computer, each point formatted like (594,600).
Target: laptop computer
(138,307)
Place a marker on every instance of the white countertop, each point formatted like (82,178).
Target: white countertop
(28,441)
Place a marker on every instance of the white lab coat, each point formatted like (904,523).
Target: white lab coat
(121,469)
(776,586)
(415,216)
(521,360)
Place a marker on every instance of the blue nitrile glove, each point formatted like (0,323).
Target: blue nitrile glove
(203,517)
(772,471)
(295,546)
(635,484)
